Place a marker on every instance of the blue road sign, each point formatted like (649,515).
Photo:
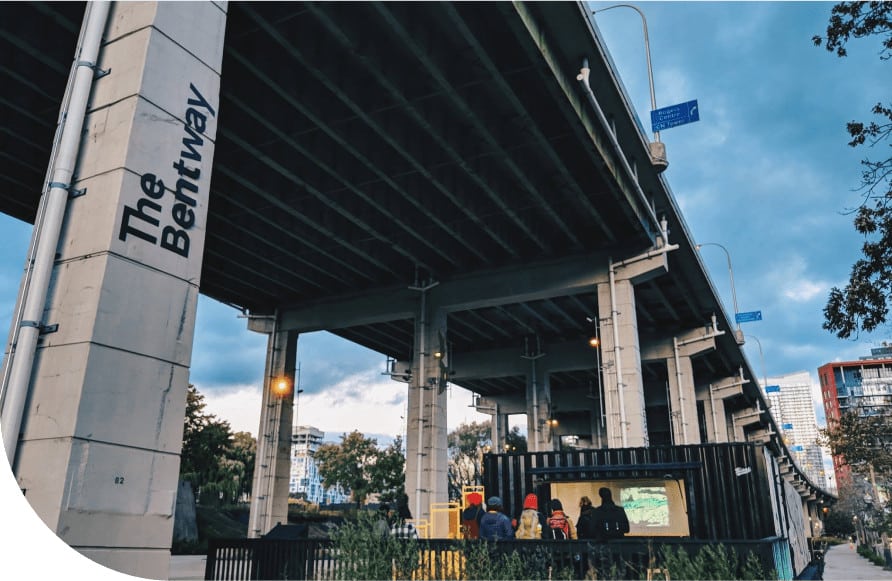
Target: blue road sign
(674,115)
(748,317)
(788,426)
(797,448)
(772,388)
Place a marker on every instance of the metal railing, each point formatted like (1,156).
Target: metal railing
(249,559)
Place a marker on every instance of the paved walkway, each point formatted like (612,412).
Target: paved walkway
(844,564)
(186,567)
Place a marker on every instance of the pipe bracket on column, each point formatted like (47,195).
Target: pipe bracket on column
(43,329)
(98,73)
(72,192)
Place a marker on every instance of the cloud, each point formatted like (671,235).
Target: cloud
(801,291)
(364,401)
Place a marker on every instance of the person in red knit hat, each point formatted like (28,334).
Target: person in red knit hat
(530,522)
(470,517)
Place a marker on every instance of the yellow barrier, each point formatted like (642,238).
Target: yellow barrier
(436,564)
(445,520)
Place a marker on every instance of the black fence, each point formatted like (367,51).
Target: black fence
(726,485)
(249,559)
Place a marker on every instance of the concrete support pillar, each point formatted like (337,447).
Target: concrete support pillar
(426,461)
(499,430)
(538,396)
(682,401)
(718,426)
(714,409)
(741,419)
(623,388)
(272,467)
(102,430)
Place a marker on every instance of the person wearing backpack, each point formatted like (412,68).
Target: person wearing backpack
(609,519)
(531,522)
(559,524)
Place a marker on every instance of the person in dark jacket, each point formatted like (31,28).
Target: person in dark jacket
(470,517)
(495,525)
(585,526)
(609,519)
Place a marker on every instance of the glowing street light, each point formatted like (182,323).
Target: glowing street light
(282,386)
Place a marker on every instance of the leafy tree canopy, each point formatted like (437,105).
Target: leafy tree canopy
(357,465)
(863,303)
(389,472)
(218,463)
(864,441)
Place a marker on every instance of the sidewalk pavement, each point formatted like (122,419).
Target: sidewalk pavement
(842,563)
(186,567)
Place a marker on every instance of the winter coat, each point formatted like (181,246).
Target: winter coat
(529,525)
(585,527)
(495,526)
(610,521)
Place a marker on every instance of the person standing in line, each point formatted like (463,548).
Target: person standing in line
(402,529)
(585,526)
(470,517)
(531,521)
(559,524)
(609,519)
(495,525)
(382,524)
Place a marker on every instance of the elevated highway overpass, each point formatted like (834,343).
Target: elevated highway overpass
(463,187)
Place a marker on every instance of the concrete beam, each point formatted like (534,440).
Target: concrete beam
(728,386)
(571,275)
(690,344)
(565,356)
(644,267)
(762,435)
(505,404)
(747,417)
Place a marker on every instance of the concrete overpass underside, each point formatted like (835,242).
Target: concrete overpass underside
(430,181)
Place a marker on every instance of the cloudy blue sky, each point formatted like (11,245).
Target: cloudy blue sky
(766,172)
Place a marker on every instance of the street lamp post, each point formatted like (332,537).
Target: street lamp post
(762,359)
(657,148)
(738,334)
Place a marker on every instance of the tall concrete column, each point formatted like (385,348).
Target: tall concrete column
(426,461)
(717,423)
(623,388)
(499,431)
(540,432)
(102,432)
(537,398)
(682,383)
(272,466)
(683,401)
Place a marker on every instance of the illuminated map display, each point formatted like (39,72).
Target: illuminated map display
(655,507)
(646,506)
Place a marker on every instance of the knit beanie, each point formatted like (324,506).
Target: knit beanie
(531,502)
